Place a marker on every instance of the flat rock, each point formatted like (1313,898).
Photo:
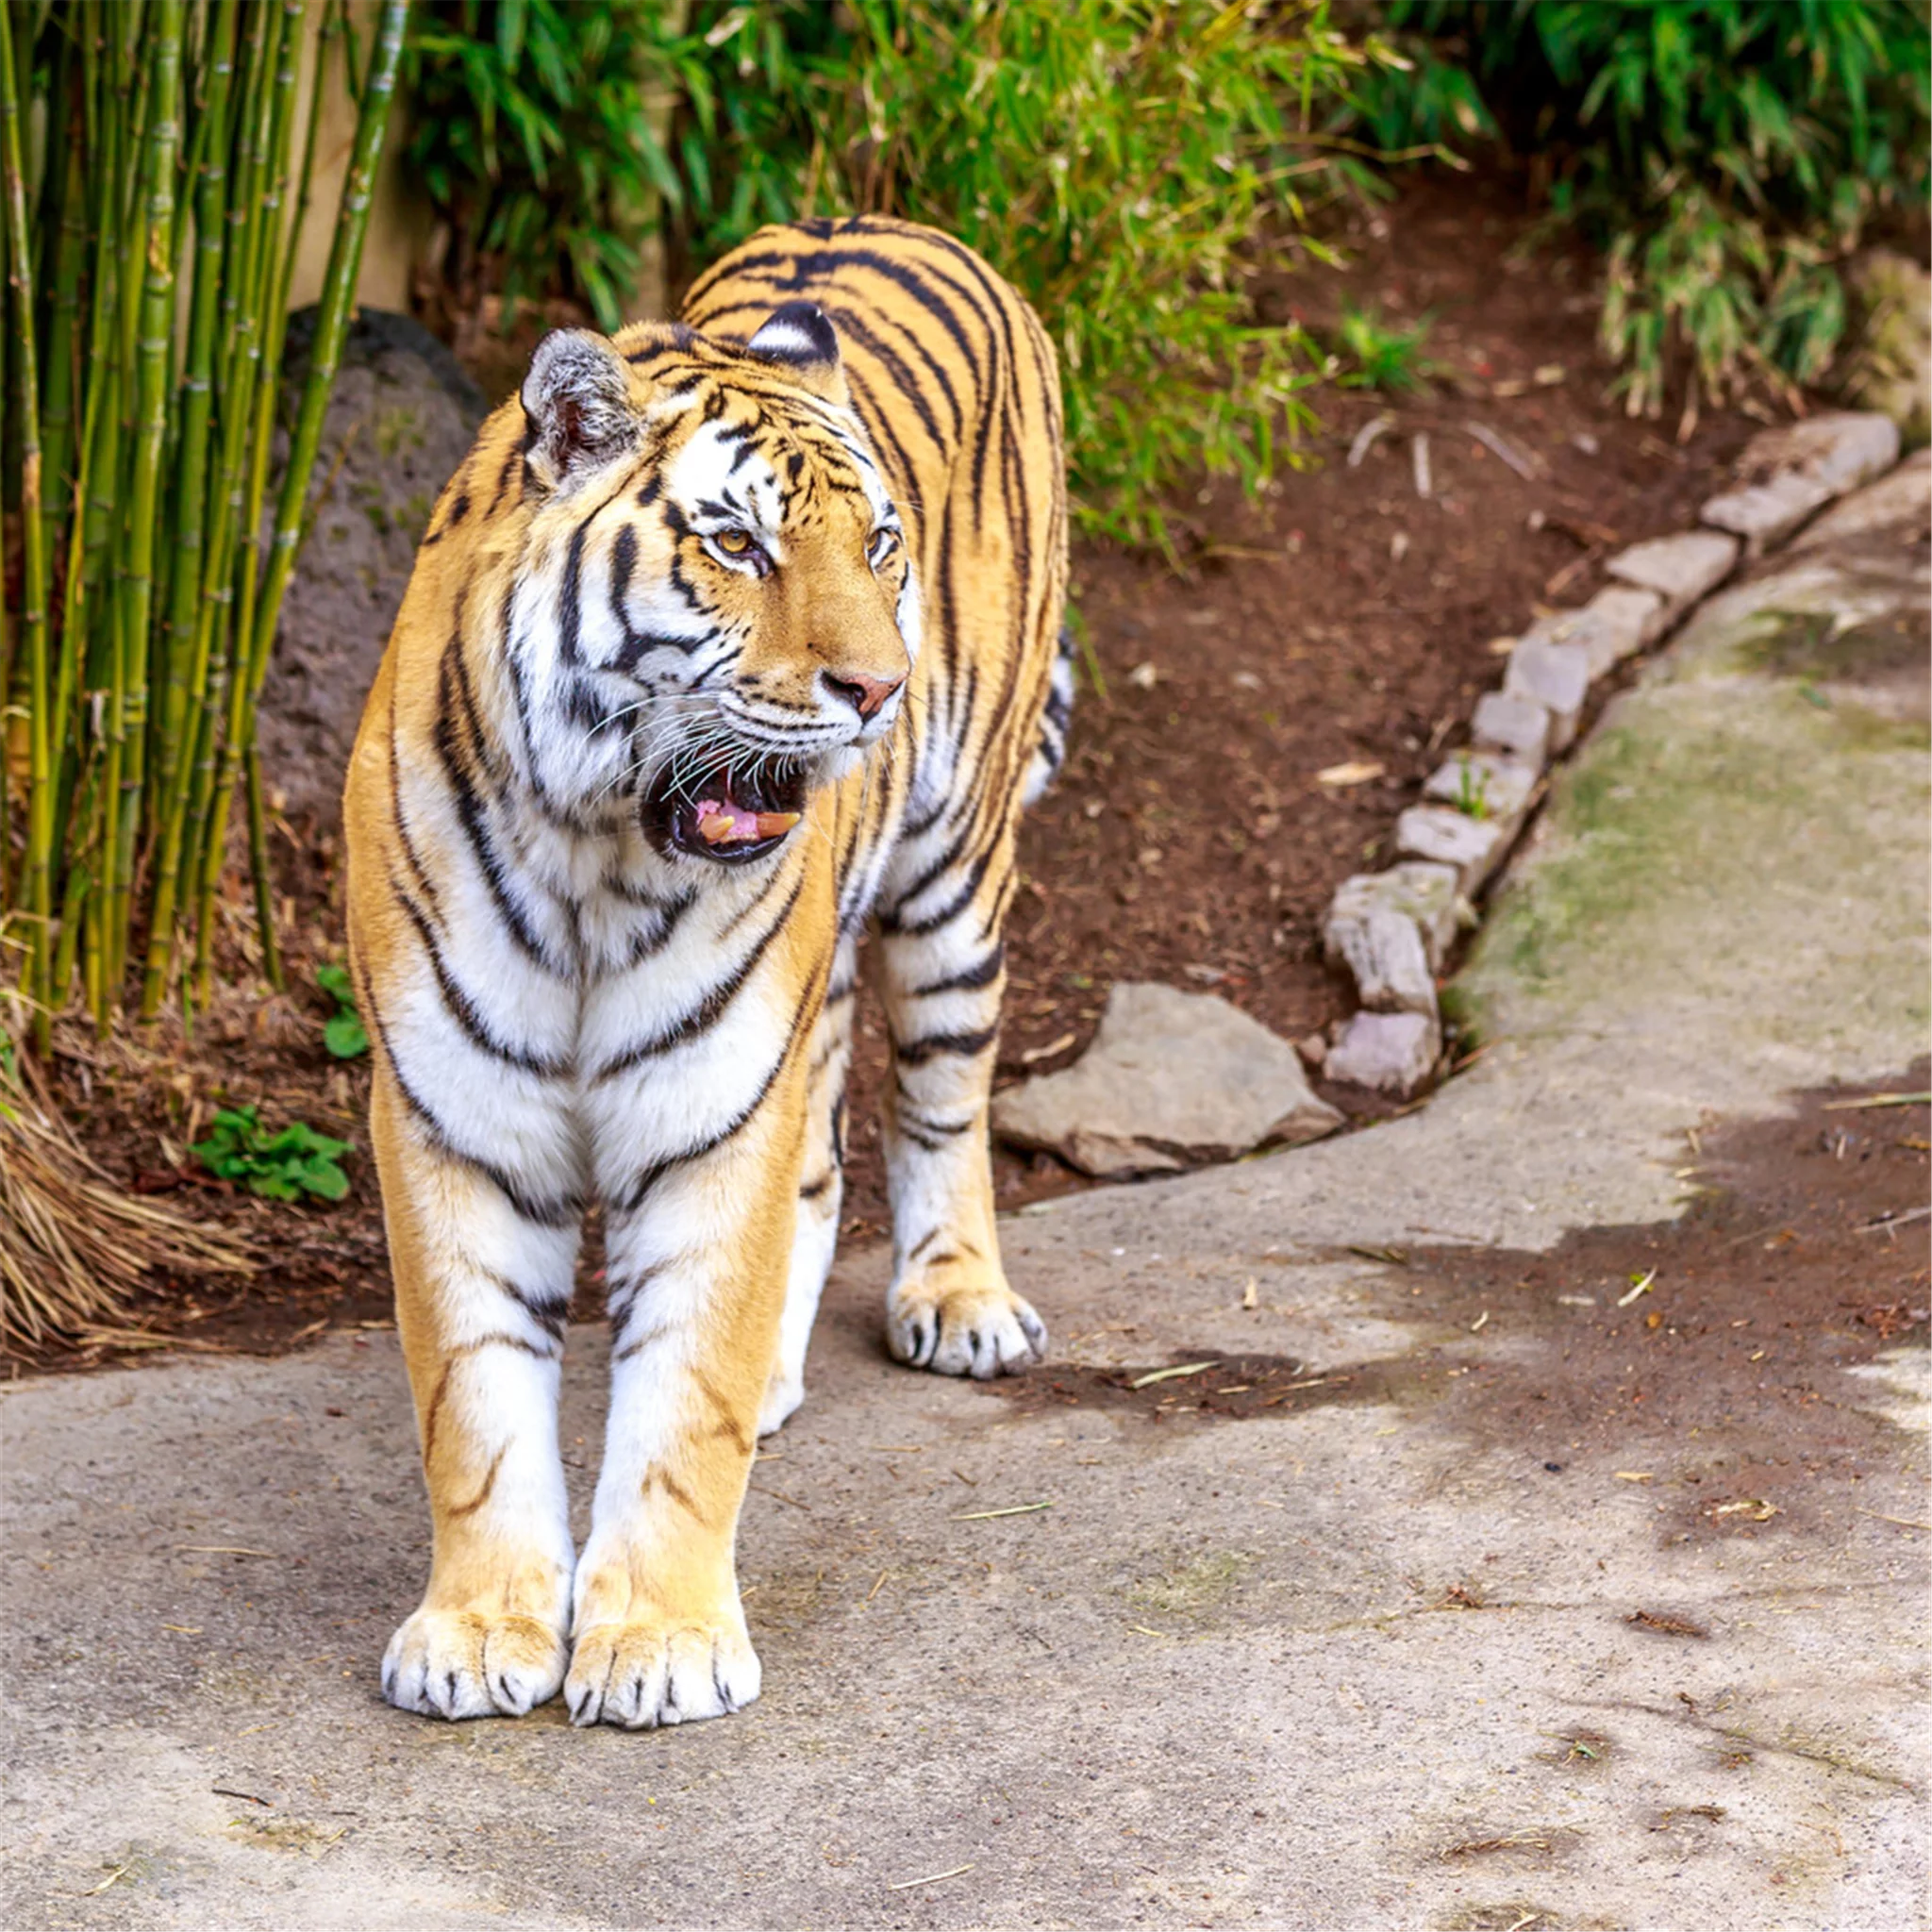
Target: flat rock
(1554,675)
(1472,848)
(1681,569)
(1426,894)
(1622,621)
(1496,787)
(1790,473)
(1394,1053)
(1384,953)
(1900,502)
(1840,449)
(1766,513)
(1508,722)
(1172,1079)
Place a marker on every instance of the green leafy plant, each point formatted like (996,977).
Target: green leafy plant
(537,130)
(280,1166)
(1379,356)
(1116,159)
(1728,155)
(342,1033)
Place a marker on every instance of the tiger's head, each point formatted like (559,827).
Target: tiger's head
(717,608)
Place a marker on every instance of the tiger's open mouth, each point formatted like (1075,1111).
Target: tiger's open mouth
(732,814)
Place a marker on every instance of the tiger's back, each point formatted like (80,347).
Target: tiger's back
(731,635)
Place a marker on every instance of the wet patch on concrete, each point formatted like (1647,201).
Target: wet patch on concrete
(1199,1385)
(1707,1360)
(1706,1357)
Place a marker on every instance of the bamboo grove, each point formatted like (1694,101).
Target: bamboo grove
(153,201)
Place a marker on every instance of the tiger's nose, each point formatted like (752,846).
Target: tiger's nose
(866,695)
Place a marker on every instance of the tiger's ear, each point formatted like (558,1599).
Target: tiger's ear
(799,339)
(578,402)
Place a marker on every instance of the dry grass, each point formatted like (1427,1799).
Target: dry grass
(72,1246)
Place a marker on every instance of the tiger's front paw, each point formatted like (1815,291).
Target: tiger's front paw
(641,1674)
(966,1329)
(465,1663)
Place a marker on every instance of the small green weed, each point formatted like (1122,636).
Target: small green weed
(1377,355)
(278,1166)
(1471,790)
(343,1034)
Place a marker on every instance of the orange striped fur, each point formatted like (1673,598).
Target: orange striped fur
(730,638)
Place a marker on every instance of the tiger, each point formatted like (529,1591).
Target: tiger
(733,639)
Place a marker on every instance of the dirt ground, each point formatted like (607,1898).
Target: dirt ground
(1341,620)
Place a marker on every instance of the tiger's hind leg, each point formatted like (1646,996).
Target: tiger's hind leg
(821,1191)
(950,1307)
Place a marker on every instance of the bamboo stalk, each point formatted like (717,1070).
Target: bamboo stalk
(38,873)
(189,632)
(153,355)
(332,323)
(226,696)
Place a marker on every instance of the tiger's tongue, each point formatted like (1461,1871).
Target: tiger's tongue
(728,824)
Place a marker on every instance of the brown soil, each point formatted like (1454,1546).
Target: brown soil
(1339,620)
(1707,1357)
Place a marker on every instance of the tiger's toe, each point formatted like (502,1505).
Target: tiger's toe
(644,1675)
(464,1664)
(981,1332)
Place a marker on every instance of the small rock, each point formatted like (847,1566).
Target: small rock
(1394,1053)
(1679,568)
(1793,471)
(1607,628)
(1439,833)
(1766,513)
(1484,784)
(1840,449)
(1172,1078)
(1621,620)
(1424,894)
(1901,501)
(1519,726)
(1384,952)
(1313,1049)
(1555,675)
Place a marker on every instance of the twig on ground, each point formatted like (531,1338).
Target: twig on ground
(1154,1375)
(1532,469)
(930,1878)
(1366,437)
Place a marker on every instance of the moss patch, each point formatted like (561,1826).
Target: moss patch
(1705,844)
(1194,1591)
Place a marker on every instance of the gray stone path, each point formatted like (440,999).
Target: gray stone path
(1224,1680)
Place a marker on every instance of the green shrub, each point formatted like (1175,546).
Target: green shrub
(531,133)
(1116,159)
(1727,154)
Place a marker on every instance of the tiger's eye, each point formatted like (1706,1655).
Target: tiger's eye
(733,542)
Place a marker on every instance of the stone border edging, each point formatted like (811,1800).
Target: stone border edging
(1392,930)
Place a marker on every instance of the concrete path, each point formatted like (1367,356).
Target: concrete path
(1361,1660)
